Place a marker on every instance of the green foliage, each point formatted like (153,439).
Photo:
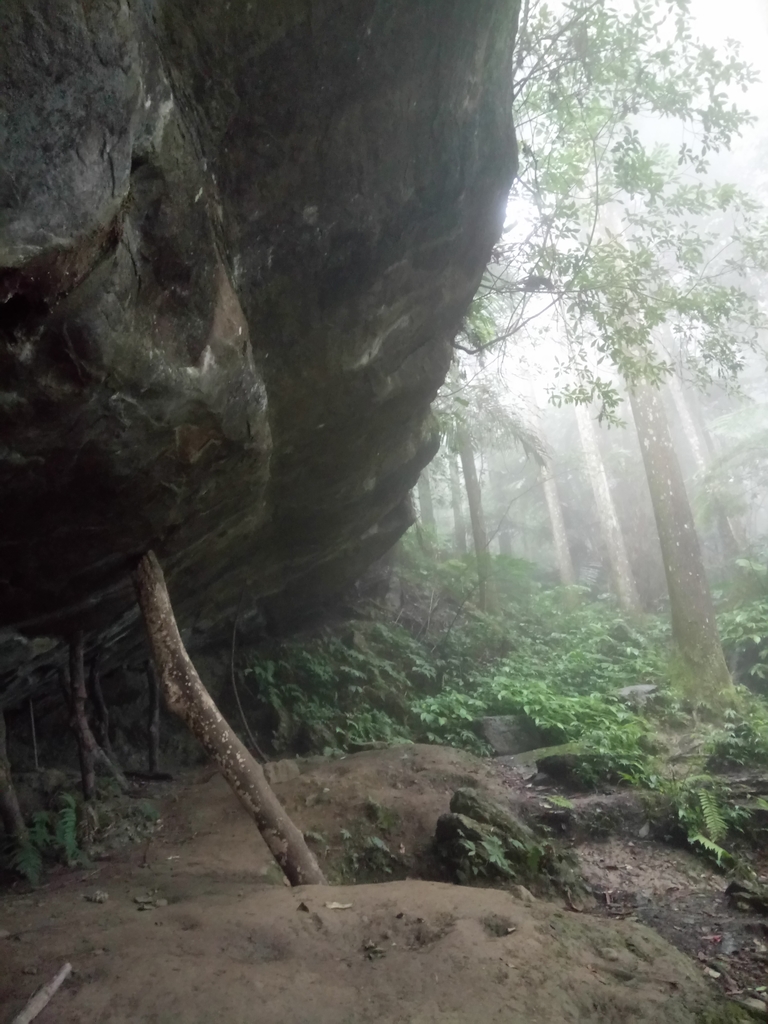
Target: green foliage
(709,846)
(562,671)
(51,833)
(448,719)
(556,663)
(345,692)
(26,859)
(384,818)
(744,630)
(713,816)
(559,801)
(485,858)
(367,858)
(705,811)
(622,235)
(64,839)
(148,811)
(743,737)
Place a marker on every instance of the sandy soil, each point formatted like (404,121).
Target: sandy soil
(198,927)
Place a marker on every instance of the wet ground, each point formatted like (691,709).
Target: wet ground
(678,893)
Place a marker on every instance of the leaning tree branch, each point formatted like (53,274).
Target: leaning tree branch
(187,697)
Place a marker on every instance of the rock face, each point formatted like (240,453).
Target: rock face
(236,241)
(511,734)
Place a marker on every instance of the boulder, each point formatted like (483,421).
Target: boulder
(236,242)
(480,838)
(471,803)
(637,694)
(281,771)
(510,734)
(748,896)
(569,768)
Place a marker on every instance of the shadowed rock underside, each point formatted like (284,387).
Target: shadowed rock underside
(236,241)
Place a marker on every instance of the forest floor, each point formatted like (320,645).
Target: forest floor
(194,924)
(679,894)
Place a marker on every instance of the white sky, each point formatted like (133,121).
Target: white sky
(746,21)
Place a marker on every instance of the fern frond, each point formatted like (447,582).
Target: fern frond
(66,829)
(27,861)
(716,827)
(40,834)
(707,844)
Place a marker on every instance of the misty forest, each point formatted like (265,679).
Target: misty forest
(384,518)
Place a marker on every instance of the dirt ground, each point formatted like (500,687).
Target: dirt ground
(680,895)
(195,924)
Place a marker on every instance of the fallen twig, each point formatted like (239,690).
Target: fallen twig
(42,997)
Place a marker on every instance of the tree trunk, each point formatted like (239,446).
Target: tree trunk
(694,628)
(153,724)
(86,744)
(459,524)
(426,505)
(101,718)
(559,536)
(33,730)
(623,578)
(13,822)
(88,749)
(727,532)
(188,698)
(476,516)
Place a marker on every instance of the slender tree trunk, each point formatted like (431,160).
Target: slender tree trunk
(554,506)
(153,724)
(476,516)
(623,578)
(188,698)
(726,529)
(457,505)
(686,421)
(11,816)
(735,524)
(86,744)
(694,627)
(89,751)
(559,536)
(33,729)
(101,718)
(426,505)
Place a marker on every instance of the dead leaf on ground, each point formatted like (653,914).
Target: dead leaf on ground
(338,906)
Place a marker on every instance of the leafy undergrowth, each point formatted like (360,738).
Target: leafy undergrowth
(432,671)
(71,831)
(380,682)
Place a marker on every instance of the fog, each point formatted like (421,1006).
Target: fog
(539,368)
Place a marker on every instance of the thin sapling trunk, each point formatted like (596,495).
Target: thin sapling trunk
(187,697)
(10,813)
(153,722)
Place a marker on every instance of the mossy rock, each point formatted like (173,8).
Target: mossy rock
(479,838)
(472,804)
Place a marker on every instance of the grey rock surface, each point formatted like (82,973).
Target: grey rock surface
(235,244)
(511,734)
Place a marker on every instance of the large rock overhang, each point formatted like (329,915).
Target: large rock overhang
(236,241)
